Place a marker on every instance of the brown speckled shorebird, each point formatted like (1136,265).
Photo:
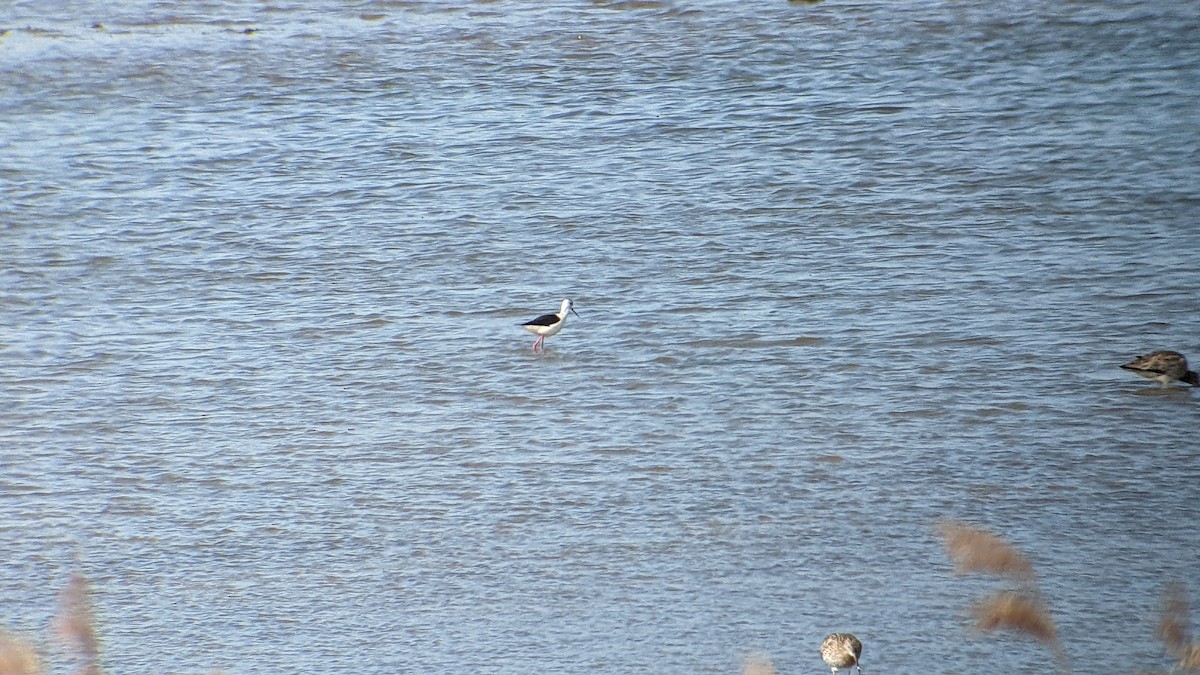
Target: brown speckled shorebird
(841,650)
(1163,367)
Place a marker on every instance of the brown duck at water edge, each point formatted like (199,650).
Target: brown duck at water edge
(1163,367)
(841,650)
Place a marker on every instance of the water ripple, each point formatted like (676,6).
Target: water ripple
(842,271)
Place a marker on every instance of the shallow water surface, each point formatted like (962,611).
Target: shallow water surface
(843,270)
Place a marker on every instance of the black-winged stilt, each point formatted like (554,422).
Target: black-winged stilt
(841,650)
(1163,367)
(549,324)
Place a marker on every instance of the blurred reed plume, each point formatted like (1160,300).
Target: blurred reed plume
(1020,611)
(1017,612)
(1175,629)
(974,550)
(75,624)
(1189,659)
(757,664)
(17,657)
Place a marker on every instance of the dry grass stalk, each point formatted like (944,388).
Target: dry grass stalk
(1016,612)
(757,664)
(75,624)
(974,550)
(1189,658)
(17,657)
(1175,629)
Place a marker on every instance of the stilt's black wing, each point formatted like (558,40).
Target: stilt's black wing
(543,320)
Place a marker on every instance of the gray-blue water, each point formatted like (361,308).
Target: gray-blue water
(843,270)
